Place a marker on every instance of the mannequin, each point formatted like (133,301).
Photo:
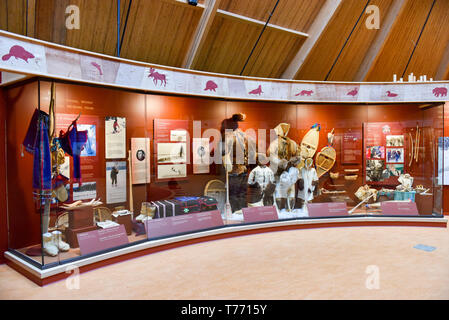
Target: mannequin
(307,184)
(239,149)
(283,152)
(261,178)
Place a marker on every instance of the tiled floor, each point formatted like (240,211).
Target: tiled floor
(329,263)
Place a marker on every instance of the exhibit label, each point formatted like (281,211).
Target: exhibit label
(331,209)
(399,209)
(102,239)
(189,222)
(259,214)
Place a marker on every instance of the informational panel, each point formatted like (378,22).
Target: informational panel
(140,155)
(172,148)
(116,174)
(443,161)
(351,147)
(89,154)
(102,239)
(200,152)
(115,136)
(185,223)
(384,152)
(330,209)
(259,214)
(399,209)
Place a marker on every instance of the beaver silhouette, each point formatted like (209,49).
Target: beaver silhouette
(18,52)
(211,86)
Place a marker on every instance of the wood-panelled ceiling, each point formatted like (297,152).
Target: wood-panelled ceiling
(305,39)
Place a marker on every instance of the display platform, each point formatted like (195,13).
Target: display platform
(46,276)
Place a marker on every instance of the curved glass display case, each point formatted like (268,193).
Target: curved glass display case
(94,170)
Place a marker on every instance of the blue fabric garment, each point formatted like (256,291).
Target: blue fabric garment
(37,142)
(72,142)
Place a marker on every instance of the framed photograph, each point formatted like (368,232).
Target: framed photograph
(115,136)
(116,174)
(395,155)
(395,141)
(376,152)
(178,135)
(375,170)
(201,155)
(140,153)
(171,171)
(171,153)
(90,148)
(395,170)
(88,190)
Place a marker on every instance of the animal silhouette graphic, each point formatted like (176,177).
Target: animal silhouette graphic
(96,65)
(440,92)
(18,52)
(391,94)
(257,91)
(353,92)
(305,93)
(157,76)
(211,86)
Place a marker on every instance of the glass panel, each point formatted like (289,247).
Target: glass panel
(201,164)
(24,214)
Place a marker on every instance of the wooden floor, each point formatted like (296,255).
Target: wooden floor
(335,263)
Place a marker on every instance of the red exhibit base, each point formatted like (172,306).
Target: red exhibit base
(46,276)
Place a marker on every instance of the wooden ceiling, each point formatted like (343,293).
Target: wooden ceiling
(305,39)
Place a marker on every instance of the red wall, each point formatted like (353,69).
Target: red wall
(3,208)
(140,111)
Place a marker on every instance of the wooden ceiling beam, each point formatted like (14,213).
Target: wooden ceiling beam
(378,43)
(316,29)
(30,18)
(443,69)
(240,18)
(198,40)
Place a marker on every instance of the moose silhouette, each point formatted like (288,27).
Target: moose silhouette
(257,91)
(440,92)
(18,52)
(305,93)
(157,76)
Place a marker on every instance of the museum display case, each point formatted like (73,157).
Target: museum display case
(92,169)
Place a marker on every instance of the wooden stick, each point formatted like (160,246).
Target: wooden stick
(412,150)
(131,200)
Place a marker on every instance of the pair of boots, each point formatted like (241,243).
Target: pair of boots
(53,243)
